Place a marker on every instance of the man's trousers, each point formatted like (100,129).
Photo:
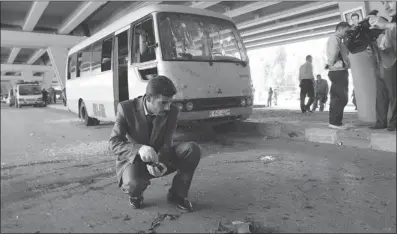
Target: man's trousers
(307,88)
(339,95)
(385,96)
(184,159)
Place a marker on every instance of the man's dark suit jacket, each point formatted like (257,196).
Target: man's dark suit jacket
(130,132)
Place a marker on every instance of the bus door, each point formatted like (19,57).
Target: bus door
(120,71)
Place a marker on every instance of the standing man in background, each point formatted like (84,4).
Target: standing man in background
(306,84)
(321,88)
(269,97)
(338,64)
(275,93)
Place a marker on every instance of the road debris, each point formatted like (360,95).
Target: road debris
(157,221)
(267,159)
(225,226)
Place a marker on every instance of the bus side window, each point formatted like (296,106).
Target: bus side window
(143,41)
(96,57)
(72,67)
(69,60)
(107,54)
(78,64)
(84,63)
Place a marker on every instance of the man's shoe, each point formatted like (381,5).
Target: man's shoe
(340,127)
(136,202)
(391,128)
(182,204)
(377,126)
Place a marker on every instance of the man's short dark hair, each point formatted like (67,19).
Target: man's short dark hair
(355,14)
(342,25)
(318,75)
(308,57)
(160,85)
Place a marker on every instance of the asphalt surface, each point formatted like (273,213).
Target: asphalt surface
(57,176)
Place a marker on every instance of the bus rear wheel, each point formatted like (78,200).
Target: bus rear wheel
(88,121)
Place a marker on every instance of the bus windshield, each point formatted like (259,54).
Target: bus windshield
(29,90)
(188,37)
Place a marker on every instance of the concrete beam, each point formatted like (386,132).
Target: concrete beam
(37,40)
(13,55)
(308,19)
(23,67)
(291,40)
(287,13)
(267,35)
(131,7)
(203,5)
(36,56)
(84,10)
(34,15)
(16,78)
(249,8)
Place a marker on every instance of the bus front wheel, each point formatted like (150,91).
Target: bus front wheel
(88,121)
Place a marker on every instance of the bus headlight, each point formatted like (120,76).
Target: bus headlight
(243,102)
(189,106)
(179,105)
(249,101)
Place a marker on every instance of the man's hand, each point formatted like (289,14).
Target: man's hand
(157,170)
(378,22)
(148,154)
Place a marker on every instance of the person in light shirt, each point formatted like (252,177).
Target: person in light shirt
(306,84)
(338,64)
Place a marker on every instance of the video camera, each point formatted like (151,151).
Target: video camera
(359,37)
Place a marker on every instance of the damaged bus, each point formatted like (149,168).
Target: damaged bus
(200,51)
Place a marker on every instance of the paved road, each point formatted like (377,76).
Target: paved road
(56,176)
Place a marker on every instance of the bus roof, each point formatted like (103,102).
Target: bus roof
(136,15)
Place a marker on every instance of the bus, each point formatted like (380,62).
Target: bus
(200,51)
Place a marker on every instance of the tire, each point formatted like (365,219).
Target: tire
(88,121)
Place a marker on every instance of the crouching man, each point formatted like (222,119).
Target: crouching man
(141,140)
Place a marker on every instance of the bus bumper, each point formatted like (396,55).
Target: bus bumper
(214,117)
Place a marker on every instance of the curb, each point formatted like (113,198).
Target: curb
(381,141)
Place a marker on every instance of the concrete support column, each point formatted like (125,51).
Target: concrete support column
(58,57)
(47,79)
(27,75)
(363,74)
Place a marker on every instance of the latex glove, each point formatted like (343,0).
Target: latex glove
(148,154)
(157,169)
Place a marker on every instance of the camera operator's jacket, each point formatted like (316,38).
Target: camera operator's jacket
(337,51)
(130,132)
(387,47)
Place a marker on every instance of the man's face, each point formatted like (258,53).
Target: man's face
(318,77)
(343,31)
(390,7)
(310,60)
(160,105)
(355,20)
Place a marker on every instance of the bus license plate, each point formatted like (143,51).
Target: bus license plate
(219,113)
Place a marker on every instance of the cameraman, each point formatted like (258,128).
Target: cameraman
(384,53)
(338,65)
